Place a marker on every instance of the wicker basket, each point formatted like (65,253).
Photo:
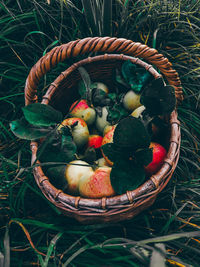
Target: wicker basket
(63,91)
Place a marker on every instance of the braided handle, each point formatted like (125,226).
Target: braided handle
(99,44)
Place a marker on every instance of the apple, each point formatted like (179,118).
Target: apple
(159,154)
(79,129)
(82,110)
(101,162)
(138,111)
(94,141)
(108,138)
(100,85)
(131,100)
(101,121)
(108,128)
(73,173)
(96,184)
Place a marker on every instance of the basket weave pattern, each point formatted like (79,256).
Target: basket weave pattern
(132,202)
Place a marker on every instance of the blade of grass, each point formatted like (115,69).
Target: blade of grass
(107,17)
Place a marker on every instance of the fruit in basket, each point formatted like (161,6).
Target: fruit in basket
(73,174)
(131,100)
(79,130)
(108,138)
(159,153)
(100,85)
(108,128)
(101,162)
(101,121)
(95,141)
(138,111)
(81,109)
(96,184)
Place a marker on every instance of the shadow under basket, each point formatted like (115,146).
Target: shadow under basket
(64,91)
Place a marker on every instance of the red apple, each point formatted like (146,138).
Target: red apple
(82,110)
(108,138)
(96,184)
(159,153)
(79,130)
(95,141)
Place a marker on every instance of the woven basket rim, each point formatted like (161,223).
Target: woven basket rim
(153,183)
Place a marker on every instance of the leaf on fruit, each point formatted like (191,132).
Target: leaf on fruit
(112,152)
(41,114)
(89,155)
(98,97)
(22,129)
(158,98)
(116,113)
(144,156)
(68,147)
(126,176)
(59,148)
(131,133)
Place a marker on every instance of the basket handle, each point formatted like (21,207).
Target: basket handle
(99,44)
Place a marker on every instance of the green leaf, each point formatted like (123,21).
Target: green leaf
(42,115)
(144,156)
(87,83)
(131,133)
(116,113)
(22,129)
(56,175)
(135,75)
(98,97)
(60,148)
(68,147)
(112,152)
(126,175)
(158,98)
(89,155)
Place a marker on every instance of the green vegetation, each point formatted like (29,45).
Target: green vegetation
(32,230)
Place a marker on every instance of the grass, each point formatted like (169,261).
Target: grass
(32,231)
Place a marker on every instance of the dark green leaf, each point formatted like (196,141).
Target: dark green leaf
(112,152)
(126,175)
(87,83)
(130,132)
(68,147)
(42,115)
(89,155)
(112,96)
(56,175)
(82,89)
(121,84)
(61,148)
(158,98)
(98,97)
(22,129)
(144,156)
(135,75)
